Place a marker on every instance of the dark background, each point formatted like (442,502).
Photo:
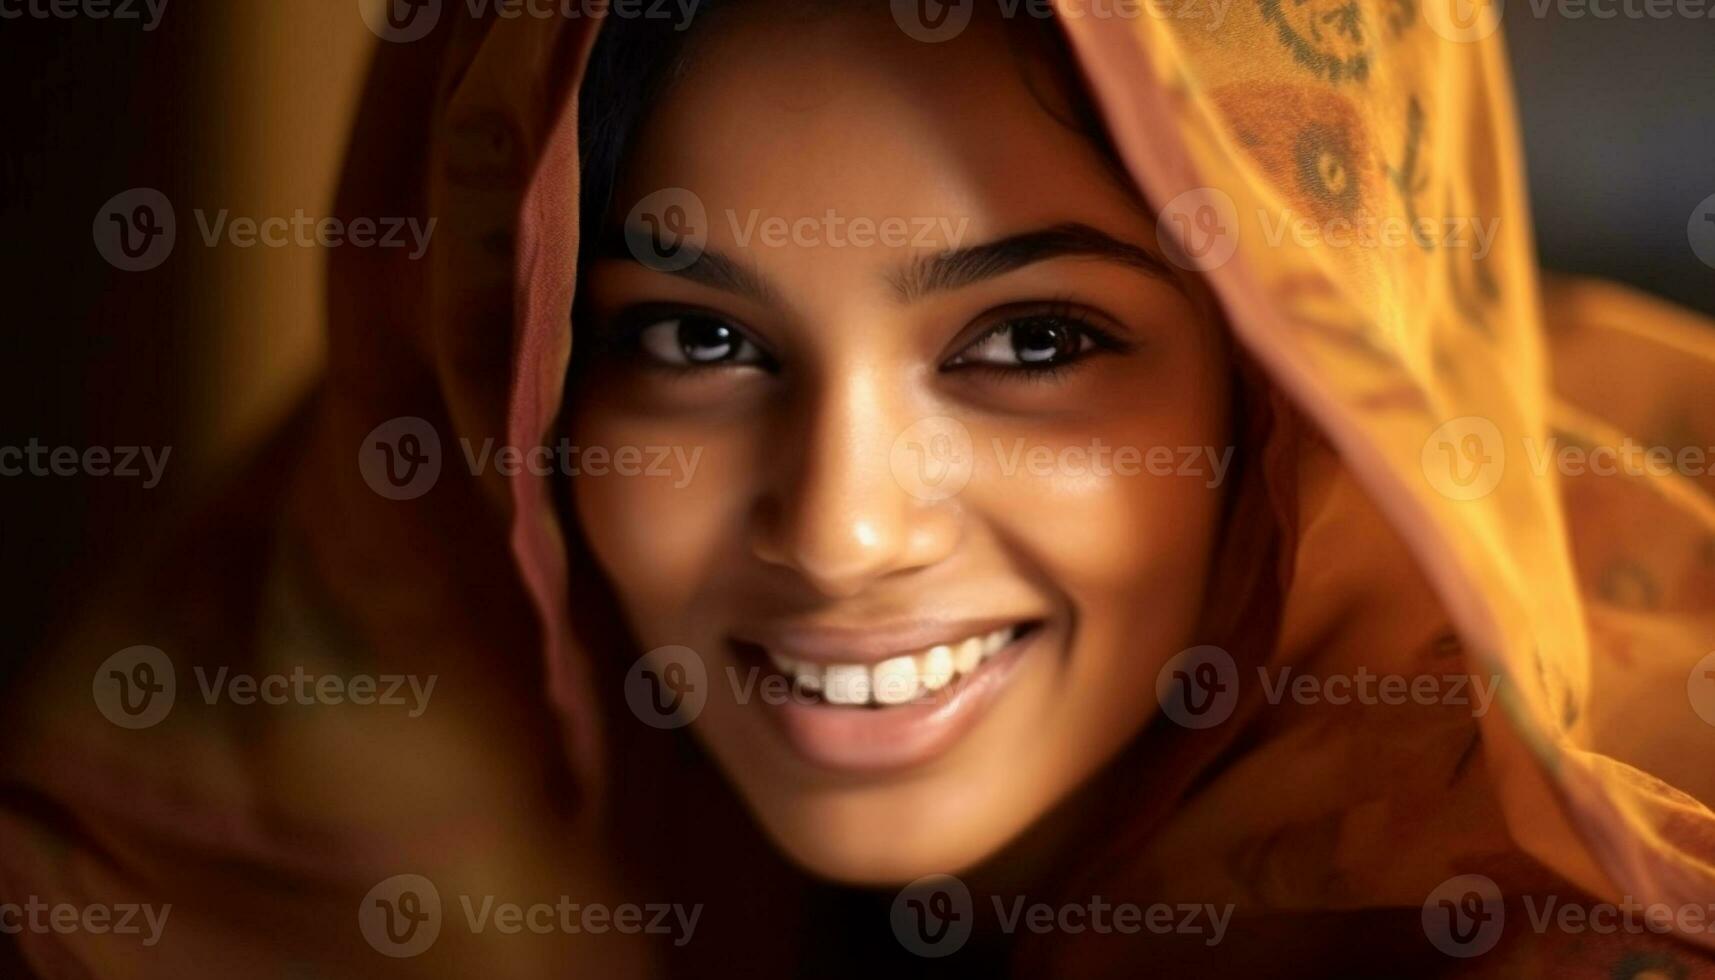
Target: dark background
(1618,118)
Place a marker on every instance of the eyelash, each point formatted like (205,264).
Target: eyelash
(1060,312)
(622,337)
(626,337)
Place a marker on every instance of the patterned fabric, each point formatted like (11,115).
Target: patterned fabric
(1470,415)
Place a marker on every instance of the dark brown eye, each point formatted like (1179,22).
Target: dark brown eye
(1043,341)
(1029,342)
(695,340)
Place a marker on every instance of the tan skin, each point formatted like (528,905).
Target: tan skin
(795,516)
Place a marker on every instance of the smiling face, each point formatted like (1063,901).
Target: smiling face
(946,524)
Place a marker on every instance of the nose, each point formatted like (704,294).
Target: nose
(832,511)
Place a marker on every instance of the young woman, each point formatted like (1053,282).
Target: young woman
(1037,491)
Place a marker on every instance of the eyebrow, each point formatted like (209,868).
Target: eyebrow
(963,267)
(941,272)
(710,268)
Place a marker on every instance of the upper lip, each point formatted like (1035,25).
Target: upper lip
(867,644)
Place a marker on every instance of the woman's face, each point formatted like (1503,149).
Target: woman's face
(962,436)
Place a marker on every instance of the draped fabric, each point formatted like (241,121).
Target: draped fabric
(1346,177)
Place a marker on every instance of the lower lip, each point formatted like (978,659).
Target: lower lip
(872,739)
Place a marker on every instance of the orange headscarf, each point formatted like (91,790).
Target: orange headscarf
(1428,539)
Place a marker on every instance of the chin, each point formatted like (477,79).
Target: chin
(873,843)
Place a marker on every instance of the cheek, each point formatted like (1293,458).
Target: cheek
(660,537)
(1119,513)
(1124,498)
(1119,534)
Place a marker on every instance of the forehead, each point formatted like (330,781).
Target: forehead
(791,116)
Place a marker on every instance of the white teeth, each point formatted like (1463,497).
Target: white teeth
(967,655)
(935,667)
(897,680)
(846,684)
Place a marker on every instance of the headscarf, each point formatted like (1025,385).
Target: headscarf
(1422,540)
